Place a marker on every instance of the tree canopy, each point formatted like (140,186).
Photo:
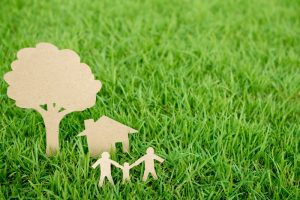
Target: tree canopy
(47,75)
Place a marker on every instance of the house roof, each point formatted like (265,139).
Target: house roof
(106,124)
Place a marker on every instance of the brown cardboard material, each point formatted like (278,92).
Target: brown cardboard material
(104,133)
(53,82)
(105,168)
(149,159)
(126,175)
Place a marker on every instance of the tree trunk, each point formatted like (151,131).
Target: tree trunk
(52,121)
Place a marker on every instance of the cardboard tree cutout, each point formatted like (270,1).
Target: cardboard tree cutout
(103,134)
(53,82)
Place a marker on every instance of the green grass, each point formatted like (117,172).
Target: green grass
(213,86)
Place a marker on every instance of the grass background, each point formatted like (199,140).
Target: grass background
(213,86)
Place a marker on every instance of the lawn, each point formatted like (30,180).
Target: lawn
(212,85)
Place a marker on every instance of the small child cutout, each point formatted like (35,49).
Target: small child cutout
(105,167)
(149,159)
(126,168)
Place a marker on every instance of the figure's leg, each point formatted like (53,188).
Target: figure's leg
(153,173)
(101,181)
(146,173)
(126,179)
(110,180)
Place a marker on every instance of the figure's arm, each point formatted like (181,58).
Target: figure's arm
(96,163)
(139,161)
(159,159)
(131,166)
(116,164)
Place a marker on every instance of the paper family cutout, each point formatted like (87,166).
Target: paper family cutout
(105,166)
(104,133)
(55,83)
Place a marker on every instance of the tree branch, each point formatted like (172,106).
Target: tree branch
(40,110)
(51,107)
(64,112)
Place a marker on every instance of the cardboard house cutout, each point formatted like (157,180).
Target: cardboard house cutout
(54,83)
(103,135)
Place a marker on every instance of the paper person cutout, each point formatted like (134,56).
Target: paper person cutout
(106,163)
(104,133)
(126,176)
(105,168)
(149,159)
(53,82)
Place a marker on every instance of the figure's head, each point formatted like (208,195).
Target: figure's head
(126,164)
(150,150)
(105,155)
